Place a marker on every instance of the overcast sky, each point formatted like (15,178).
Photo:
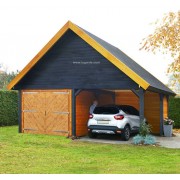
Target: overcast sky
(27,25)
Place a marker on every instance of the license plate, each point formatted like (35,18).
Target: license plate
(102,122)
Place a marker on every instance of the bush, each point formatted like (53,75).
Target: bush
(174,112)
(147,140)
(8,108)
(143,137)
(138,139)
(144,129)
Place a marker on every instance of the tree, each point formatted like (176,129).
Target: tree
(6,77)
(175,87)
(166,39)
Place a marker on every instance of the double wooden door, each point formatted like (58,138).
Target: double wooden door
(46,112)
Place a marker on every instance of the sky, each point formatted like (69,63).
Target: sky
(27,25)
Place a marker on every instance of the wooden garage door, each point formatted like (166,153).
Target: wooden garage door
(46,112)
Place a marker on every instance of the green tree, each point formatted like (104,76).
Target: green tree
(166,39)
(175,87)
(6,77)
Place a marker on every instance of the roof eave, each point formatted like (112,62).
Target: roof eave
(169,93)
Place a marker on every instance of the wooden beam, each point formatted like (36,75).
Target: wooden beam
(161,96)
(20,111)
(167,105)
(77,91)
(73,113)
(135,92)
(141,104)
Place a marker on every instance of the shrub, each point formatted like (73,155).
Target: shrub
(138,139)
(8,108)
(174,112)
(149,140)
(144,129)
(143,137)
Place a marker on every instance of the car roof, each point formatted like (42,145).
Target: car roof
(119,106)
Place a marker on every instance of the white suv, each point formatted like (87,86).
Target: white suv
(114,119)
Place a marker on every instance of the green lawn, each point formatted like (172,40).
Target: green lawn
(26,153)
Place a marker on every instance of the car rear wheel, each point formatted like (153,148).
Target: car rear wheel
(92,135)
(126,133)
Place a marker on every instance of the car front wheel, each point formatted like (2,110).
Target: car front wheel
(126,133)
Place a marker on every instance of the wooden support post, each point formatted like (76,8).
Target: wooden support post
(19,111)
(77,91)
(161,114)
(141,104)
(167,105)
(135,92)
(73,113)
(140,94)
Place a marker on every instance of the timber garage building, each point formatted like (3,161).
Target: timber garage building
(73,69)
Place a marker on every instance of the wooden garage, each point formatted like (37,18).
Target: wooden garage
(59,84)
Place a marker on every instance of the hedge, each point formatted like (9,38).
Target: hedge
(174,111)
(8,108)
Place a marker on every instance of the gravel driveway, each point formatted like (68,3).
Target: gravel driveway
(169,142)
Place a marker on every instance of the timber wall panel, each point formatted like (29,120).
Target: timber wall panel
(127,98)
(104,99)
(165,107)
(152,110)
(83,102)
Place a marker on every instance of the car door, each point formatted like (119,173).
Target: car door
(134,116)
(135,122)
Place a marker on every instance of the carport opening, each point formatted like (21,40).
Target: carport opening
(85,99)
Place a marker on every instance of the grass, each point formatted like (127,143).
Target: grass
(29,153)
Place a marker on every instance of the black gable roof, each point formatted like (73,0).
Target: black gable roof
(137,74)
(155,84)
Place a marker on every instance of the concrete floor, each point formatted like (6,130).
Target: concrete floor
(169,142)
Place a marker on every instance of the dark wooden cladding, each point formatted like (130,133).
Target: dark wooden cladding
(72,63)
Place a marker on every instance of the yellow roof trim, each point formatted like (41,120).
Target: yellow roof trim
(69,25)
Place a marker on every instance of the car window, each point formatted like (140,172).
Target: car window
(126,110)
(106,110)
(134,111)
(129,110)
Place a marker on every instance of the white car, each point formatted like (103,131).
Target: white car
(114,119)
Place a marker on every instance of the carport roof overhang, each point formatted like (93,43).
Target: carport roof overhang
(124,63)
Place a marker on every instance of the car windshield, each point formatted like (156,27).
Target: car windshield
(129,110)
(106,110)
